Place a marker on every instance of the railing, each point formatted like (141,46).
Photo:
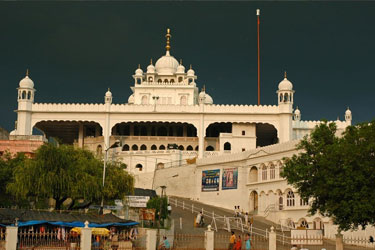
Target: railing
(359,241)
(269,208)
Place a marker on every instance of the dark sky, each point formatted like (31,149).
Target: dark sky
(75,50)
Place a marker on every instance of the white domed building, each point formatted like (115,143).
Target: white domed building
(167,123)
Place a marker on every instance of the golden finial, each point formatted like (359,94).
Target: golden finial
(139,66)
(284,74)
(168,36)
(27,72)
(151,61)
(180,61)
(109,89)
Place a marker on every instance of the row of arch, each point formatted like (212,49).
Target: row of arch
(25,95)
(285,97)
(142,147)
(302,223)
(268,171)
(168,100)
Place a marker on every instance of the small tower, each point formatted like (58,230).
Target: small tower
(150,73)
(25,101)
(108,97)
(138,76)
(285,94)
(191,75)
(297,115)
(180,72)
(348,116)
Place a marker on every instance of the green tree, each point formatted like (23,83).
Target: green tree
(158,203)
(337,174)
(65,172)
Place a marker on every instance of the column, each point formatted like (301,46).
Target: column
(209,239)
(151,239)
(11,238)
(86,234)
(184,130)
(131,129)
(201,134)
(80,135)
(272,239)
(339,242)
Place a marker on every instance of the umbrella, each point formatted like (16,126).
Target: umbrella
(95,231)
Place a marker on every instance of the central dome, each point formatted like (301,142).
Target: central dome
(166,64)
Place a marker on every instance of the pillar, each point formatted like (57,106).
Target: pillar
(86,234)
(272,239)
(151,239)
(339,242)
(80,135)
(201,135)
(11,238)
(209,239)
(131,129)
(184,130)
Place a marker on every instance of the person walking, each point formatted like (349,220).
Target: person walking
(238,244)
(169,209)
(232,240)
(248,242)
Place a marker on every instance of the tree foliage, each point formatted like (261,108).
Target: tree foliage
(337,174)
(158,203)
(65,172)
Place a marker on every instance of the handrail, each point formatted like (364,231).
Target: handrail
(269,208)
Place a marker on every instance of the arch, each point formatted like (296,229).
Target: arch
(181,148)
(196,148)
(99,150)
(180,79)
(281,201)
(183,100)
(290,199)
(272,171)
(210,148)
(171,81)
(24,94)
(160,165)
(253,174)
(190,80)
(143,147)
(281,97)
(160,81)
(302,223)
(165,80)
(286,97)
(189,148)
(227,146)
(125,147)
(290,223)
(153,147)
(317,223)
(266,134)
(264,172)
(214,129)
(162,147)
(139,80)
(144,100)
(143,131)
(253,201)
(139,166)
(135,147)
(150,79)
(29,95)
(162,131)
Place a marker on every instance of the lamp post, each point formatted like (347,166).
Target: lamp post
(114,145)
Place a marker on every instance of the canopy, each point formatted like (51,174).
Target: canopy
(95,231)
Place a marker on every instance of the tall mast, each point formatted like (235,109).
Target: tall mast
(258,23)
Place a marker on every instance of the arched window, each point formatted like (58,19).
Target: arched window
(150,79)
(180,79)
(303,202)
(24,94)
(135,147)
(290,223)
(264,173)
(162,147)
(286,97)
(139,166)
(227,146)
(181,147)
(189,148)
(99,150)
(210,148)
(29,95)
(139,80)
(143,147)
(281,201)
(160,165)
(281,97)
(153,147)
(125,147)
(165,80)
(144,100)
(281,169)
(196,148)
(160,81)
(190,80)
(253,174)
(272,172)
(303,223)
(290,199)
(172,81)
(183,100)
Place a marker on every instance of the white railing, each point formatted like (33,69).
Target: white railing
(269,208)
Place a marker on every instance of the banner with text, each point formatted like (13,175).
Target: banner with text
(210,180)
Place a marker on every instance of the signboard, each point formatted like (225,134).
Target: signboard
(147,214)
(230,178)
(210,180)
(137,201)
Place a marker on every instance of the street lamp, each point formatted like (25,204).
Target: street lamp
(114,145)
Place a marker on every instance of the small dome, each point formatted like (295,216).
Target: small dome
(166,64)
(150,69)
(131,99)
(108,93)
(139,71)
(190,72)
(207,99)
(285,85)
(180,69)
(348,112)
(297,111)
(26,83)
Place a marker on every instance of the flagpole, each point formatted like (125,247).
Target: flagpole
(258,23)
